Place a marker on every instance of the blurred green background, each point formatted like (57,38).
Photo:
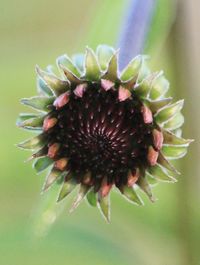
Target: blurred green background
(164,233)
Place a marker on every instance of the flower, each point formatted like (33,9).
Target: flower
(101,129)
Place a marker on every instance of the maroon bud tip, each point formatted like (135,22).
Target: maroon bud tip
(49,123)
(123,93)
(147,114)
(53,149)
(152,156)
(106,84)
(61,164)
(61,100)
(79,90)
(157,139)
(133,177)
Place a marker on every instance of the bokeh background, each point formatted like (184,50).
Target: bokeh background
(164,233)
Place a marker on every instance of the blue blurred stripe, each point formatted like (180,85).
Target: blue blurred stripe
(134,29)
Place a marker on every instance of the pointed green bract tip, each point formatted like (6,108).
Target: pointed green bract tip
(42,163)
(104,207)
(131,195)
(91,65)
(66,189)
(92,198)
(104,54)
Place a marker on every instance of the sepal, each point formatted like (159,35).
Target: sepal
(69,75)
(172,139)
(132,70)
(104,53)
(159,87)
(104,206)
(78,60)
(43,88)
(174,151)
(144,186)
(174,123)
(51,178)
(143,88)
(57,85)
(131,195)
(25,116)
(166,164)
(92,69)
(39,103)
(81,195)
(66,62)
(39,153)
(112,71)
(67,187)
(151,180)
(168,112)
(161,174)
(92,198)
(156,105)
(42,163)
(32,123)
(33,143)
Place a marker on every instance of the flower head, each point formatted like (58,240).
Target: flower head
(101,129)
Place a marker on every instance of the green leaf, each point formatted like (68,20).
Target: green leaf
(67,187)
(172,139)
(91,198)
(133,68)
(168,112)
(57,85)
(93,72)
(33,143)
(160,173)
(65,61)
(131,195)
(104,54)
(81,194)
(42,163)
(173,151)
(104,206)
(39,103)
(51,178)
(174,123)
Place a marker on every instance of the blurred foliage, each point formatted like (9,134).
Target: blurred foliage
(37,32)
(163,18)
